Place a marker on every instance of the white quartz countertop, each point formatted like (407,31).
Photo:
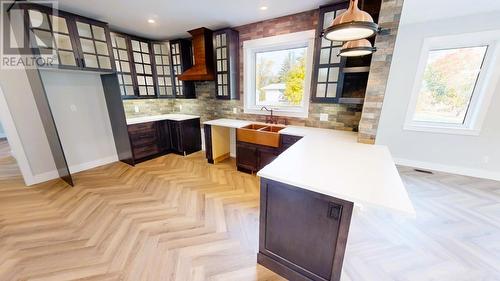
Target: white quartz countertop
(173,117)
(230,123)
(333,163)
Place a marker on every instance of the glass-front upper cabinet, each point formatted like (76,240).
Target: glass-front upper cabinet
(180,51)
(95,47)
(226,49)
(327,63)
(339,79)
(177,67)
(163,64)
(121,51)
(71,41)
(141,56)
(50,37)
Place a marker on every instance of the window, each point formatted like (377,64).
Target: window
(452,84)
(278,73)
(449,81)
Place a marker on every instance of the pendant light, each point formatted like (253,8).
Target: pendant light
(353,24)
(357,48)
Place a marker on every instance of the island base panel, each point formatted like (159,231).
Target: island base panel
(303,234)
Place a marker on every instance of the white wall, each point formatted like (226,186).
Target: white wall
(469,155)
(27,127)
(79,108)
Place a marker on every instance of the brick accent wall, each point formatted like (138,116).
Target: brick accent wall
(341,117)
(390,14)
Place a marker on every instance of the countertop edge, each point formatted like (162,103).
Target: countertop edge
(146,119)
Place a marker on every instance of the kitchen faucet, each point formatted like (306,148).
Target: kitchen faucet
(269,119)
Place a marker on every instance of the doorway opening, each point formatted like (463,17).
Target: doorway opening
(8,164)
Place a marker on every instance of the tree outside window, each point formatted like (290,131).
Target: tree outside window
(449,80)
(280,77)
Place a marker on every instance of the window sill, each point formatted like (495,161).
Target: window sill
(278,112)
(442,129)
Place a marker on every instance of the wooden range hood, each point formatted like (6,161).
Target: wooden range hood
(203,68)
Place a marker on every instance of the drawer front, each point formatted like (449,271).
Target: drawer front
(135,128)
(143,138)
(146,151)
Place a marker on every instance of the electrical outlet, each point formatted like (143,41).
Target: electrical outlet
(136,108)
(323,117)
(235,110)
(73,108)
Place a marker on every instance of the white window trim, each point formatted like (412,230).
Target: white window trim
(483,92)
(279,42)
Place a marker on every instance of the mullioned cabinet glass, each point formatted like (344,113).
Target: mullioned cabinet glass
(72,41)
(123,64)
(226,57)
(161,52)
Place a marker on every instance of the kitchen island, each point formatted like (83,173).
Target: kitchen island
(308,193)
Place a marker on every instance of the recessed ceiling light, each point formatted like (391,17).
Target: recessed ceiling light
(263,8)
(151,21)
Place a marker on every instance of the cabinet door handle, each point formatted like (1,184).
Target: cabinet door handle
(334,211)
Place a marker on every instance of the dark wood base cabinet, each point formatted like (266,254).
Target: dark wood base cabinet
(185,136)
(153,139)
(208,143)
(302,234)
(251,157)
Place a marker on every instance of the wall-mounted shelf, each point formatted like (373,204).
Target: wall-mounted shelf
(359,69)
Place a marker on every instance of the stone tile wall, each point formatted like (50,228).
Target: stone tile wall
(390,14)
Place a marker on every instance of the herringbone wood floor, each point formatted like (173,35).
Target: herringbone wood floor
(8,167)
(178,218)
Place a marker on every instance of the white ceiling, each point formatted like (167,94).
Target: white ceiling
(174,17)
(415,11)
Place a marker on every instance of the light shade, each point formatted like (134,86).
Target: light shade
(357,48)
(353,24)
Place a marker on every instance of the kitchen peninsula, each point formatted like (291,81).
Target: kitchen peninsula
(313,184)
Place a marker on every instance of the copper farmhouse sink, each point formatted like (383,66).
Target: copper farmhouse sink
(261,134)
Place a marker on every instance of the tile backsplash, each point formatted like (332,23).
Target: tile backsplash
(147,107)
(340,117)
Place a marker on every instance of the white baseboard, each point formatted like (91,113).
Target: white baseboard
(477,173)
(39,178)
(73,169)
(92,164)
